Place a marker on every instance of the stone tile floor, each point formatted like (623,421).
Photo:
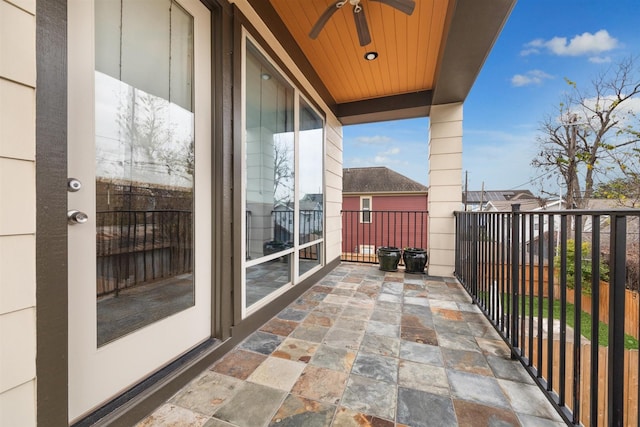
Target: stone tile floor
(366,348)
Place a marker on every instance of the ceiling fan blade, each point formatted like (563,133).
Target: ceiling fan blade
(324,18)
(404,6)
(361,25)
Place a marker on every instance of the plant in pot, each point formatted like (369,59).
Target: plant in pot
(415,259)
(388,257)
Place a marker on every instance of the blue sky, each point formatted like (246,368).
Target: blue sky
(542,43)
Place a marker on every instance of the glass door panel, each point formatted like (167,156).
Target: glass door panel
(139,100)
(144,164)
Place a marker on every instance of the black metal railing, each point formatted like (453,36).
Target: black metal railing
(561,288)
(310,225)
(136,247)
(279,235)
(364,231)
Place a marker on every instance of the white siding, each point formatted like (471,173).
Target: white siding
(17,213)
(445,185)
(333,180)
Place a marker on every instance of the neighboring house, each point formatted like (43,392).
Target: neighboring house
(381,207)
(526,204)
(129,143)
(532,233)
(474,200)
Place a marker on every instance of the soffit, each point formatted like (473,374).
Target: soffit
(431,57)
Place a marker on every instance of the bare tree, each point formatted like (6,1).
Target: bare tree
(590,132)
(154,143)
(282,171)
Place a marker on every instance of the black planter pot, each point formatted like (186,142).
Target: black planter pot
(415,259)
(388,257)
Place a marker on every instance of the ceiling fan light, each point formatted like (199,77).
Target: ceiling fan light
(370,56)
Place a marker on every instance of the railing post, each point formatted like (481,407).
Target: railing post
(595,313)
(617,262)
(457,216)
(515,242)
(474,254)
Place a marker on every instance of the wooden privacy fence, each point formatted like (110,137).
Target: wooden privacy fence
(584,385)
(632,298)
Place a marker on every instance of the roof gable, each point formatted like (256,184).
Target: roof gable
(496,195)
(378,179)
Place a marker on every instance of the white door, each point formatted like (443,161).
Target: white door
(139,141)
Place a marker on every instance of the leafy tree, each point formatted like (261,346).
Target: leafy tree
(591,131)
(586,266)
(625,190)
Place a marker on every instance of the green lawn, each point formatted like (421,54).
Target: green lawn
(585,320)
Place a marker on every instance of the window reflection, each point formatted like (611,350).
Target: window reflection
(144,164)
(311,173)
(267,277)
(310,257)
(269,159)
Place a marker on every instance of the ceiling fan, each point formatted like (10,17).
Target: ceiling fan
(405,6)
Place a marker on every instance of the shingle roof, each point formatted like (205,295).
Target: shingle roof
(378,179)
(507,205)
(491,195)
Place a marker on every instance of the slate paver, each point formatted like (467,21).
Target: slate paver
(366,348)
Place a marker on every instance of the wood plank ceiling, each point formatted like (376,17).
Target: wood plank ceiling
(408,46)
(429,58)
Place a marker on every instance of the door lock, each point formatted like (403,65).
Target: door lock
(76,217)
(73,185)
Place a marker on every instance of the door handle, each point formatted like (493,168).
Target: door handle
(74,217)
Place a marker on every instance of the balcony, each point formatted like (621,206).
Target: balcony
(498,342)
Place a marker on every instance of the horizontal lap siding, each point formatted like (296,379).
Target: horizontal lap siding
(333,182)
(17,213)
(400,203)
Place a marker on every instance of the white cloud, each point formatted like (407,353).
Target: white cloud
(626,114)
(600,59)
(532,47)
(377,139)
(530,51)
(381,160)
(580,45)
(533,77)
(415,167)
(384,157)
(391,151)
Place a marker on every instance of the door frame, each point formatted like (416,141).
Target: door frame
(123,362)
(51,225)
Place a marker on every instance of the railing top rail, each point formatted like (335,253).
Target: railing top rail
(145,211)
(389,211)
(628,211)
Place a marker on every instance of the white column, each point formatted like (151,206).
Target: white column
(445,185)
